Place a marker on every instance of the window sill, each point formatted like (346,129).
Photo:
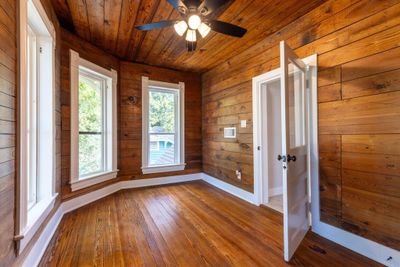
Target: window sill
(166,168)
(36,216)
(92,180)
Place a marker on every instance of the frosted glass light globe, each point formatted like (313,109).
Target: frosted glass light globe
(194,22)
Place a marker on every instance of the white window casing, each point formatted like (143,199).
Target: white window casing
(110,116)
(178,89)
(36,126)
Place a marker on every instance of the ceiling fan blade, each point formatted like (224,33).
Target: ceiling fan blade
(209,6)
(156,25)
(227,28)
(179,5)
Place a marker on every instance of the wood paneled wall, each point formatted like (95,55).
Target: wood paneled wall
(130,124)
(130,116)
(8,68)
(99,57)
(358,44)
(9,91)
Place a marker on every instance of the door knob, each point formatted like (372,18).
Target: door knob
(291,158)
(283,158)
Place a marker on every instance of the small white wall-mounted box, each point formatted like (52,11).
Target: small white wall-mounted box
(230,132)
(243,123)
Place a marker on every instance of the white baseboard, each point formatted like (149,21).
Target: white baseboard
(231,189)
(35,254)
(275,191)
(368,248)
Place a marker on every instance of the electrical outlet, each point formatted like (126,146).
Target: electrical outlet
(238,175)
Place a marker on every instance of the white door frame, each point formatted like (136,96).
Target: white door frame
(363,246)
(260,148)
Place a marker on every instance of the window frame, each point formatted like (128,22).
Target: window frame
(178,88)
(110,123)
(33,20)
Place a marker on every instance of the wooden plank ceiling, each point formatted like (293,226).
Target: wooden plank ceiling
(109,24)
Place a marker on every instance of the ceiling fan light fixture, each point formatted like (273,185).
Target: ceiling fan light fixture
(180,27)
(191,36)
(204,29)
(194,22)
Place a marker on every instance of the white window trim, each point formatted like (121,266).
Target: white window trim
(75,62)
(28,225)
(145,126)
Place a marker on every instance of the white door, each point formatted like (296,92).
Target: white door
(294,149)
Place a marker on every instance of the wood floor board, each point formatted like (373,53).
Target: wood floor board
(188,224)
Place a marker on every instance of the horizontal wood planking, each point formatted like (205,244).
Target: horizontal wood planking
(358,47)
(130,118)
(351,116)
(330,178)
(8,65)
(372,215)
(92,54)
(131,130)
(375,84)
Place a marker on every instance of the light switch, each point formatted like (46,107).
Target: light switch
(243,123)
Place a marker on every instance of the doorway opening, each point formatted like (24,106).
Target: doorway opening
(272,142)
(281,122)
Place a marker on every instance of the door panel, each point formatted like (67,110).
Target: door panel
(294,146)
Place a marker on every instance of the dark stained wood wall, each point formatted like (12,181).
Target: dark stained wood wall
(358,43)
(130,157)
(9,89)
(99,57)
(130,116)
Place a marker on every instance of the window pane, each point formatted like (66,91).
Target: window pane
(91,133)
(165,154)
(161,112)
(32,123)
(90,154)
(90,104)
(296,107)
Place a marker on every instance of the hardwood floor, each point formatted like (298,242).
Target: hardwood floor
(190,224)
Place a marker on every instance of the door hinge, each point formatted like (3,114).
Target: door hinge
(41,50)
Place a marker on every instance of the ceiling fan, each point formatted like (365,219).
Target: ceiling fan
(195,14)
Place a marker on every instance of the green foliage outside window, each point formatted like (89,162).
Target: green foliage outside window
(90,120)
(162,111)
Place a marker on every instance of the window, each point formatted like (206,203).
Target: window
(93,123)
(36,119)
(92,130)
(163,126)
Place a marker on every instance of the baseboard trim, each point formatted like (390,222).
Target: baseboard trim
(276,191)
(231,189)
(35,254)
(368,248)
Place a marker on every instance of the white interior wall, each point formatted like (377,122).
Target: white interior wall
(275,142)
